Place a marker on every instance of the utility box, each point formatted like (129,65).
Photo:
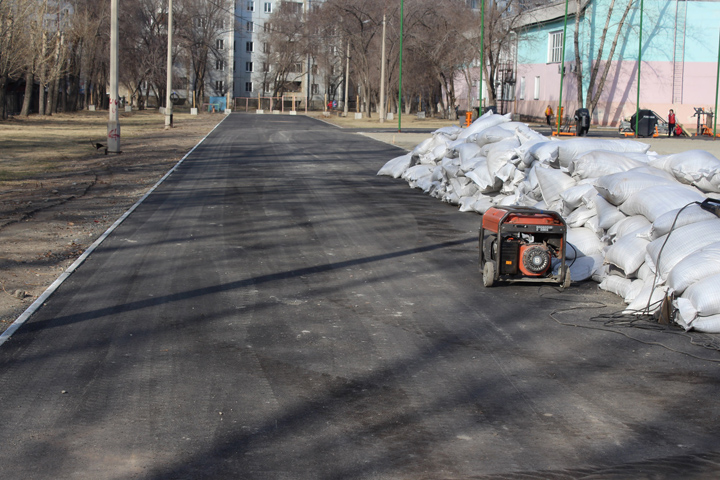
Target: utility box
(646,123)
(582,121)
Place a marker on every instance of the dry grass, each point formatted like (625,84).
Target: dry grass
(35,145)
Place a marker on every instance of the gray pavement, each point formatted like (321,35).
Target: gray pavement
(275,310)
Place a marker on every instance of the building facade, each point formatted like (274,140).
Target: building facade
(678,68)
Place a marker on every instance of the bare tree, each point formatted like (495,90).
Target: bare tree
(14,25)
(598,77)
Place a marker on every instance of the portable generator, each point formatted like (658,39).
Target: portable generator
(520,243)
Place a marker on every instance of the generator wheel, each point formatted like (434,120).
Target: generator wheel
(566,278)
(489,273)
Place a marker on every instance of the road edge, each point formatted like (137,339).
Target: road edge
(5,336)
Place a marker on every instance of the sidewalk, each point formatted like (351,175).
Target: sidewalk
(661,145)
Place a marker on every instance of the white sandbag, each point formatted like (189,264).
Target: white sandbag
(485,181)
(654,201)
(703,297)
(597,163)
(594,224)
(645,272)
(552,183)
(486,120)
(581,268)
(709,324)
(513,178)
(483,203)
(608,214)
(463,187)
(466,203)
(493,135)
(579,216)
(632,293)
(695,267)
(412,174)
(573,196)
(501,153)
(439,175)
(573,148)
(467,152)
(648,300)
(451,132)
(627,225)
(546,152)
(682,242)
(447,161)
(582,242)
(397,166)
(628,252)
(691,214)
(620,286)
(694,167)
(618,187)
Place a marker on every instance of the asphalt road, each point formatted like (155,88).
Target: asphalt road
(274,310)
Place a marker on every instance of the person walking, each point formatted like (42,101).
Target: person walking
(548,115)
(671,123)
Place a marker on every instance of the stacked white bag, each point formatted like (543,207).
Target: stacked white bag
(633,225)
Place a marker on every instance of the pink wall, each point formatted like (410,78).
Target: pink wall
(619,97)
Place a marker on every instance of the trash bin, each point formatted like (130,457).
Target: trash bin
(582,121)
(646,123)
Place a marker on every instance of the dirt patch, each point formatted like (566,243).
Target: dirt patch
(58,193)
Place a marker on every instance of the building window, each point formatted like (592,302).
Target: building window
(266,67)
(218,85)
(248,66)
(220,44)
(249,27)
(219,65)
(248,87)
(314,69)
(536,95)
(555,45)
(315,88)
(249,47)
(268,7)
(521,95)
(266,47)
(267,27)
(250,6)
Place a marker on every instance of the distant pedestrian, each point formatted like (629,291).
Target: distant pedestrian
(671,123)
(548,115)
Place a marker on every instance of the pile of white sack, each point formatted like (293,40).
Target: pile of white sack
(619,200)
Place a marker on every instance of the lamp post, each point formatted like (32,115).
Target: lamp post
(562,70)
(382,76)
(717,83)
(400,79)
(168,100)
(637,106)
(113,135)
(347,79)
(482,55)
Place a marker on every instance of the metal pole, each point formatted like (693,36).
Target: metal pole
(113,135)
(562,70)
(482,55)
(717,83)
(347,79)
(382,76)
(637,107)
(168,100)
(400,79)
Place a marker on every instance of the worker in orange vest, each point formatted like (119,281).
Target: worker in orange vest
(548,115)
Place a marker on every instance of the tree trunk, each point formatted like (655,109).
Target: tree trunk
(41,100)
(578,61)
(3,87)
(27,100)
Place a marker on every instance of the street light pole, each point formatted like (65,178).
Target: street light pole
(382,76)
(168,100)
(400,79)
(482,55)
(347,79)
(113,135)
(637,106)
(562,70)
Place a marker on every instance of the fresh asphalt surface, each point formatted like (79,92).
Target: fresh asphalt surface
(275,310)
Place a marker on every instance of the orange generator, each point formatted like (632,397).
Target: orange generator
(520,243)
